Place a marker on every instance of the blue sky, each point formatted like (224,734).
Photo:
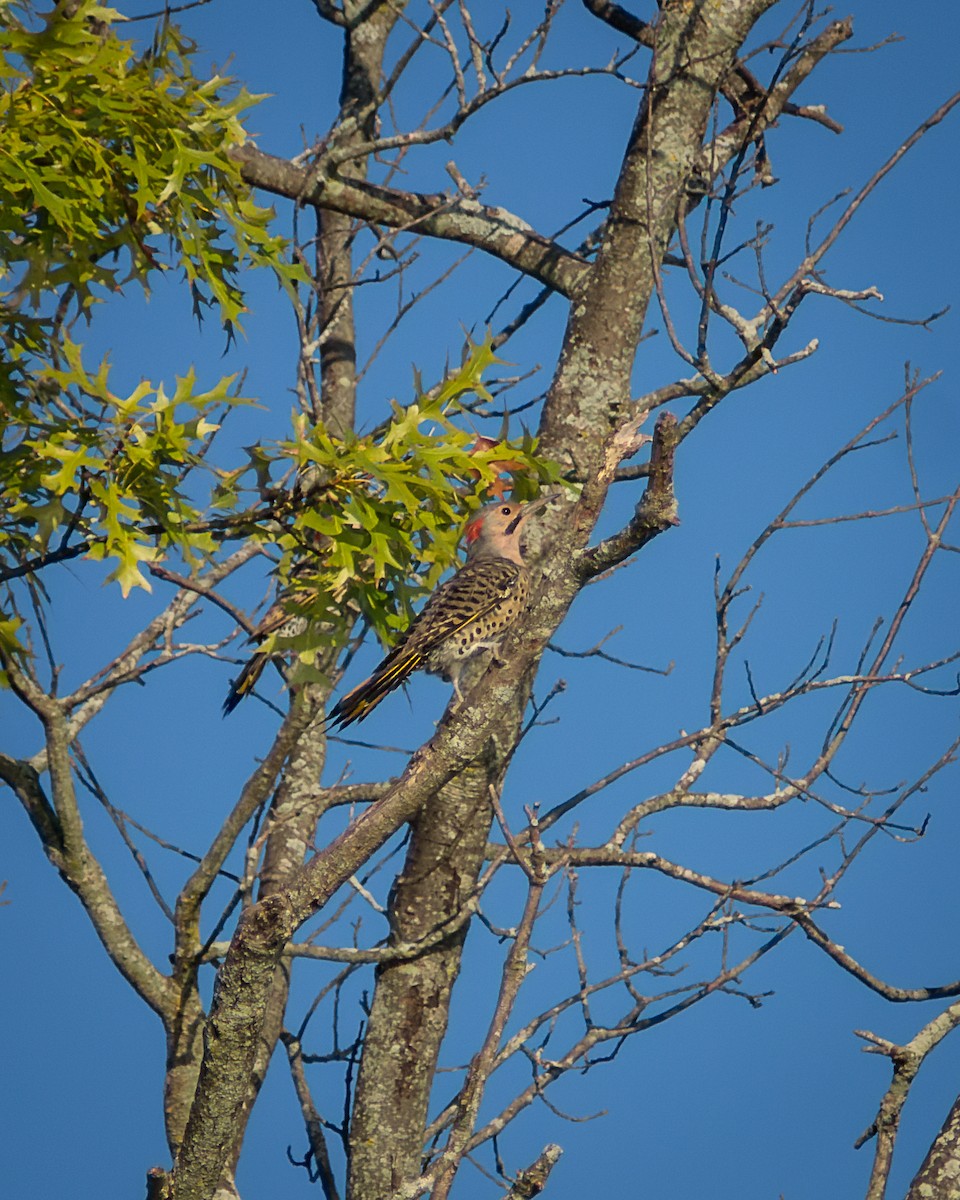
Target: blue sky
(727,1100)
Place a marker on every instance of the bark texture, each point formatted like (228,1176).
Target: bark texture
(411,1003)
(939,1174)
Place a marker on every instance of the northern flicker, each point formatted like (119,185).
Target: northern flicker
(468,613)
(286,619)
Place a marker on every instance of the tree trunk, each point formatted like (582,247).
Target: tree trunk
(408,1017)
(939,1174)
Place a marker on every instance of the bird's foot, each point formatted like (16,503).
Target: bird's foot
(493,648)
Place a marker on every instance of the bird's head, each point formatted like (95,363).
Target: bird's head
(494,532)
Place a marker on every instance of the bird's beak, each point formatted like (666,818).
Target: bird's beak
(534,506)
(528,510)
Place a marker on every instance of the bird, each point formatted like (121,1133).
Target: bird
(285,618)
(470,612)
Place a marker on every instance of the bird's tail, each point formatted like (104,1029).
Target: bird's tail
(366,696)
(246,681)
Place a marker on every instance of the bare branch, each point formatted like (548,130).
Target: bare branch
(311,1118)
(61,829)
(656,512)
(453,218)
(812,259)
(906,1061)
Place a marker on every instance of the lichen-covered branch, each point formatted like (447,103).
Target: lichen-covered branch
(937,1176)
(449,217)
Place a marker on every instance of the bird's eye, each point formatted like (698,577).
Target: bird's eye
(506,510)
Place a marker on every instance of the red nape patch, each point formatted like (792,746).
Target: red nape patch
(472,531)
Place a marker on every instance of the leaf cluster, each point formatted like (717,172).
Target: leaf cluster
(107,472)
(114,164)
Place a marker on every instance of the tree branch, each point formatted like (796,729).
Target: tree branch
(907,1061)
(656,512)
(451,218)
(61,831)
